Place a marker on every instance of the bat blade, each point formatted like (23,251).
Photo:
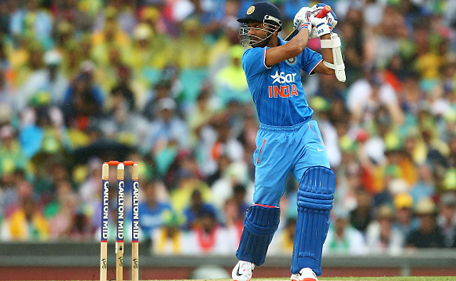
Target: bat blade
(326,9)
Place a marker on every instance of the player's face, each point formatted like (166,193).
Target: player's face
(255,34)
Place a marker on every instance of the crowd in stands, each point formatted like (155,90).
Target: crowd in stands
(160,82)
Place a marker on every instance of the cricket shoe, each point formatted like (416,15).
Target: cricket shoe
(243,271)
(305,274)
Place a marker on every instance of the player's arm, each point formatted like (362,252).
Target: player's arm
(327,55)
(297,44)
(289,50)
(333,63)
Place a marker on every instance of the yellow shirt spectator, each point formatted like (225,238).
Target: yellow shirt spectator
(192,51)
(27,223)
(110,36)
(180,197)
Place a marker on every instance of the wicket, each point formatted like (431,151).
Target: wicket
(120,220)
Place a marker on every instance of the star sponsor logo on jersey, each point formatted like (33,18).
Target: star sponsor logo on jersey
(281,77)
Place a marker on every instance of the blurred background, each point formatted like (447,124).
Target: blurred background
(160,82)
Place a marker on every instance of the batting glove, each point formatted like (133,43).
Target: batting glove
(302,19)
(331,16)
(321,25)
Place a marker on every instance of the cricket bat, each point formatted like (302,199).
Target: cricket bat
(326,9)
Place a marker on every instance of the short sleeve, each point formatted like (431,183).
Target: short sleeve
(253,61)
(310,59)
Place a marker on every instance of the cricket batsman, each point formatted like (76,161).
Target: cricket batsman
(288,139)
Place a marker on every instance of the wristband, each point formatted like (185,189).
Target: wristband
(304,25)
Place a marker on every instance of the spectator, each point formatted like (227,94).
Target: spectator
(381,236)
(230,82)
(7,93)
(282,243)
(196,208)
(168,239)
(361,216)
(425,187)
(404,221)
(207,237)
(89,190)
(452,156)
(52,173)
(123,14)
(33,22)
(15,187)
(233,222)
(28,223)
(153,211)
(446,219)
(235,174)
(384,43)
(367,94)
(200,115)
(187,183)
(43,127)
(343,238)
(127,86)
(411,95)
(224,143)
(161,90)
(415,147)
(46,78)
(70,11)
(122,122)
(349,181)
(192,48)
(110,36)
(12,155)
(30,76)
(167,130)
(161,39)
(63,215)
(83,101)
(428,235)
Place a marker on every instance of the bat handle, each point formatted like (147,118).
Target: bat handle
(326,9)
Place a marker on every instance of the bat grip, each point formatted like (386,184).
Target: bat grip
(326,9)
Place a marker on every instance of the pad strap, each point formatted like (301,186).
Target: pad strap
(333,66)
(334,42)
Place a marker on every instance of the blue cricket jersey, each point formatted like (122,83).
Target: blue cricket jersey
(277,90)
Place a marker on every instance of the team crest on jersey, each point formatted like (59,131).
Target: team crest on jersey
(250,10)
(291,61)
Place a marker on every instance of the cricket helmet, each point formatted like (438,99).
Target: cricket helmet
(263,12)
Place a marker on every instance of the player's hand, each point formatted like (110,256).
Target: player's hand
(331,16)
(302,19)
(321,26)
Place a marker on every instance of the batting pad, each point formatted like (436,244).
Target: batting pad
(260,223)
(315,201)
